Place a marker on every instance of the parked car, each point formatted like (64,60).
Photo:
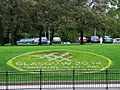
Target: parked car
(32,41)
(116,40)
(94,39)
(43,40)
(56,40)
(25,41)
(36,40)
(84,39)
(107,39)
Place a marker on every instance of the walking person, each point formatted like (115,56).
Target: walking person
(101,40)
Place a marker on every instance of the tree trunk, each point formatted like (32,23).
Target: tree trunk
(40,28)
(47,34)
(52,35)
(1,33)
(82,38)
(40,34)
(1,39)
(14,38)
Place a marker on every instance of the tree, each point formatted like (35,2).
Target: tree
(83,17)
(36,19)
(17,16)
(58,16)
(1,33)
(86,17)
(109,10)
(1,25)
(52,17)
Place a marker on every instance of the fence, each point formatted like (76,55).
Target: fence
(73,79)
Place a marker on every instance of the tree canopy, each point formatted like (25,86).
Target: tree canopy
(33,18)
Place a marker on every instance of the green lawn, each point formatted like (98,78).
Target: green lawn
(107,50)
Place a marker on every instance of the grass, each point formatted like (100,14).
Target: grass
(107,50)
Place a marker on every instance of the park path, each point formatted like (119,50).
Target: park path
(62,87)
(76,89)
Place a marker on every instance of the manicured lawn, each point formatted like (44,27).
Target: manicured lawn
(107,50)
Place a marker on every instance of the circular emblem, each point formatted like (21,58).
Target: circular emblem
(59,60)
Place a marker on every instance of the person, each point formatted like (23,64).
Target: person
(101,40)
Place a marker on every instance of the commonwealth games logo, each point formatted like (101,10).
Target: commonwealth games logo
(59,60)
(55,56)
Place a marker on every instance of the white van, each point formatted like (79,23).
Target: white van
(56,40)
